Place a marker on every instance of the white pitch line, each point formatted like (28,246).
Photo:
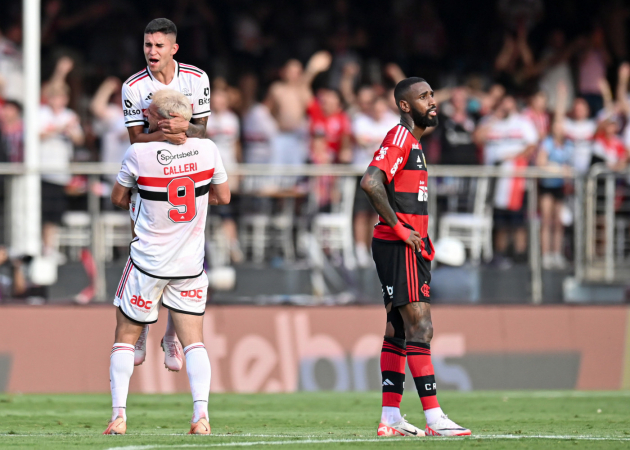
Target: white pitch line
(332,441)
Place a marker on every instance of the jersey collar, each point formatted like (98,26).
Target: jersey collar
(404,125)
(176,71)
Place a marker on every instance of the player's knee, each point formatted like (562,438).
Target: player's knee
(420,331)
(395,325)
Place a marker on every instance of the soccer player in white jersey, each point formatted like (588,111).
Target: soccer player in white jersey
(162,72)
(175,183)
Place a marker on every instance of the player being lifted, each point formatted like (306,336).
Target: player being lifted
(175,183)
(396,185)
(163,72)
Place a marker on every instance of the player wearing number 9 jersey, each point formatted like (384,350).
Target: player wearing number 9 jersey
(175,183)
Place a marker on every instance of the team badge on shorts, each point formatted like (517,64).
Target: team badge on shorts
(425,289)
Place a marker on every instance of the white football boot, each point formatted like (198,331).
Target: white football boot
(173,353)
(400,428)
(140,351)
(446,427)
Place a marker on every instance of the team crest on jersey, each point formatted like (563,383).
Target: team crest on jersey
(381,154)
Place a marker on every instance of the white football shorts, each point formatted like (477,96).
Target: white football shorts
(139,296)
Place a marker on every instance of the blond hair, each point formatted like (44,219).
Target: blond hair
(169,101)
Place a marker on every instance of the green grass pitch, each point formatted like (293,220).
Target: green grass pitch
(499,420)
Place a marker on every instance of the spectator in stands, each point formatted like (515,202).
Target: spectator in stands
(554,68)
(579,129)
(106,106)
(556,151)
(11,70)
(60,131)
(455,131)
(224,129)
(509,141)
(330,129)
(289,99)
(536,111)
(594,61)
(368,131)
(608,147)
(11,132)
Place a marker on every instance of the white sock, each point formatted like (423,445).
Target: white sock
(120,370)
(433,414)
(170,328)
(198,369)
(390,415)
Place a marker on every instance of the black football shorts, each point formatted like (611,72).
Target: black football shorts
(404,274)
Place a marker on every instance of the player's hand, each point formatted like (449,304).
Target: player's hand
(175,125)
(414,241)
(175,138)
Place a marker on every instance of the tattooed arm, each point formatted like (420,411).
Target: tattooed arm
(197,128)
(373,183)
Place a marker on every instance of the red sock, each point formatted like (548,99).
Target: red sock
(393,370)
(419,357)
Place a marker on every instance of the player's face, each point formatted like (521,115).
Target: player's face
(152,115)
(422,104)
(159,49)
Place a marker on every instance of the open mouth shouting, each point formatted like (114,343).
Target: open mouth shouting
(153,62)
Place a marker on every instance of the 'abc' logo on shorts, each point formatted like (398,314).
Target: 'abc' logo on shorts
(195,293)
(140,302)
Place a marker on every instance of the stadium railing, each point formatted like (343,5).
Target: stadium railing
(601,217)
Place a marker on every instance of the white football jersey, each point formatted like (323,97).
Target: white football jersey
(139,88)
(172,204)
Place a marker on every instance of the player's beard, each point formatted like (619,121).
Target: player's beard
(424,120)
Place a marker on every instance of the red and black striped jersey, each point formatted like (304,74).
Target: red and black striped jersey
(402,160)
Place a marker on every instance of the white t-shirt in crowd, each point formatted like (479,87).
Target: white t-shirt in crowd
(259,130)
(508,137)
(57,149)
(223,128)
(172,205)
(114,136)
(139,88)
(373,131)
(581,133)
(11,71)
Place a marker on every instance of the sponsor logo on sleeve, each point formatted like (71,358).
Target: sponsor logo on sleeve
(395,168)
(381,154)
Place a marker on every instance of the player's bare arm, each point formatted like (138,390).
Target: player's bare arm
(196,128)
(373,183)
(219,194)
(121,196)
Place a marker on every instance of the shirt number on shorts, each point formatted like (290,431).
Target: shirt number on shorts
(181,194)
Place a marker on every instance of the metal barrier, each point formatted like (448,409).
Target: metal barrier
(607,226)
(95,170)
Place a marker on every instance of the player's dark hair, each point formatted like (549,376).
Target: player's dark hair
(401,89)
(161,26)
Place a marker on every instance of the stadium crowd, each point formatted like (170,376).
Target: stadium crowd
(302,83)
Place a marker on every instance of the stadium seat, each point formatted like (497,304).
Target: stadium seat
(75,233)
(473,229)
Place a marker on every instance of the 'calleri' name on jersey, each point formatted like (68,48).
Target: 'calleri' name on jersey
(171,204)
(137,92)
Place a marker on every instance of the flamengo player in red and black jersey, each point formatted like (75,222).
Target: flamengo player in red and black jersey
(163,72)
(396,185)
